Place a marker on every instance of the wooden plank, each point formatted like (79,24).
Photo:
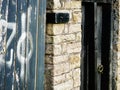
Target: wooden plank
(91,47)
(34,78)
(95,27)
(25,45)
(41,17)
(88,47)
(106,45)
(10,46)
(21,45)
(32,29)
(87,0)
(112,83)
(98,1)
(98,36)
(3,29)
(83,50)
(103,1)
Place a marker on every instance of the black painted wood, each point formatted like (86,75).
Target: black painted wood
(105,48)
(3,22)
(96,37)
(11,46)
(98,41)
(88,68)
(41,17)
(98,1)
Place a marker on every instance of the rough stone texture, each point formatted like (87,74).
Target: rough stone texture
(74,61)
(63,47)
(68,85)
(116,47)
(117,42)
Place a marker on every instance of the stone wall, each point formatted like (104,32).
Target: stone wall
(116,46)
(63,46)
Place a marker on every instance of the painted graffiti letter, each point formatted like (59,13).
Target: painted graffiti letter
(21,58)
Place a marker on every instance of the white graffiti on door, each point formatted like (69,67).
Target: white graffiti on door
(25,36)
(3,29)
(24,60)
(11,26)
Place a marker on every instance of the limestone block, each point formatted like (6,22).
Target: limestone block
(118,47)
(49,49)
(58,29)
(73,28)
(49,39)
(64,48)
(74,61)
(68,38)
(59,79)
(118,86)
(57,50)
(57,39)
(66,29)
(48,70)
(76,88)
(78,37)
(49,29)
(57,4)
(49,59)
(74,47)
(76,77)
(118,63)
(67,4)
(60,59)
(55,29)
(53,49)
(76,15)
(68,85)
(75,4)
(69,75)
(61,68)
(118,79)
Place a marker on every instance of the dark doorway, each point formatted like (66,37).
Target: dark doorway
(96,27)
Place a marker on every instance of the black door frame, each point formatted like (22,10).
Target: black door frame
(111,80)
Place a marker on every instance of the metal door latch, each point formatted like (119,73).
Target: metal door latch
(100,69)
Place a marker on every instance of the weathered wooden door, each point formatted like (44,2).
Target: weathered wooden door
(22,27)
(96,46)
